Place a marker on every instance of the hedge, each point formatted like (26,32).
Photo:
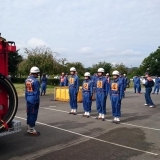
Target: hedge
(54,82)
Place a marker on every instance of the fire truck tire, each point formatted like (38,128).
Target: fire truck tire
(12,98)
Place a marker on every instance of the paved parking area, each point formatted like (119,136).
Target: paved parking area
(73,137)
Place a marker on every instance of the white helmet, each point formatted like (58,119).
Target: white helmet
(107,74)
(72,69)
(34,70)
(115,73)
(101,70)
(124,74)
(87,74)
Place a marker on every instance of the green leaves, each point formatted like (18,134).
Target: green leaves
(13,60)
(152,63)
(42,57)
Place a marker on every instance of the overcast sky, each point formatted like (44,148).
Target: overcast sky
(88,31)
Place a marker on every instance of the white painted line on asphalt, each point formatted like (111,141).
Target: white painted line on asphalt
(52,106)
(128,124)
(89,137)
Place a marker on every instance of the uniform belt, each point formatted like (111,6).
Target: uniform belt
(72,87)
(100,91)
(86,92)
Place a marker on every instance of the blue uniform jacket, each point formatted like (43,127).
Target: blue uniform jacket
(125,81)
(157,81)
(87,86)
(122,81)
(32,92)
(116,88)
(101,85)
(44,80)
(136,80)
(73,81)
(66,81)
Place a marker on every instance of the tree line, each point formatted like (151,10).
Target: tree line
(49,63)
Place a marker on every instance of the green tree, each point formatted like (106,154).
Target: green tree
(106,66)
(14,58)
(121,68)
(42,57)
(135,71)
(78,65)
(152,63)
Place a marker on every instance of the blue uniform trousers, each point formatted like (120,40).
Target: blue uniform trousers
(138,88)
(73,97)
(87,101)
(156,87)
(135,88)
(61,84)
(32,113)
(148,96)
(43,88)
(116,105)
(101,102)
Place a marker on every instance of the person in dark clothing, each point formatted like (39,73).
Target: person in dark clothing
(148,83)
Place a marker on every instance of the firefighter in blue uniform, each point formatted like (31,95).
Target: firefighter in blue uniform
(116,95)
(43,84)
(125,83)
(148,83)
(66,80)
(101,94)
(122,79)
(134,83)
(32,96)
(138,84)
(108,82)
(156,86)
(87,93)
(73,84)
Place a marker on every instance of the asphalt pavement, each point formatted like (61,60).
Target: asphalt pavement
(73,137)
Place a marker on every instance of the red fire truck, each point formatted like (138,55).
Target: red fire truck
(8,94)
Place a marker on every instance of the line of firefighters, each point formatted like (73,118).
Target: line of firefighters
(102,86)
(98,83)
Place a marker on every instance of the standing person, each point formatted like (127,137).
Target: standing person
(138,83)
(125,83)
(116,94)
(87,93)
(73,83)
(93,77)
(156,86)
(32,96)
(62,77)
(43,84)
(148,83)
(66,80)
(122,80)
(101,94)
(108,82)
(107,77)
(134,82)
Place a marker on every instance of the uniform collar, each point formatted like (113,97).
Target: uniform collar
(115,80)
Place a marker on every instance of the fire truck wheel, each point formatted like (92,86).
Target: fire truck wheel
(12,100)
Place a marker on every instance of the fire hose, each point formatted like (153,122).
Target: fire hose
(12,101)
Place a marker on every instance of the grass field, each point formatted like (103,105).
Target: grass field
(20,89)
